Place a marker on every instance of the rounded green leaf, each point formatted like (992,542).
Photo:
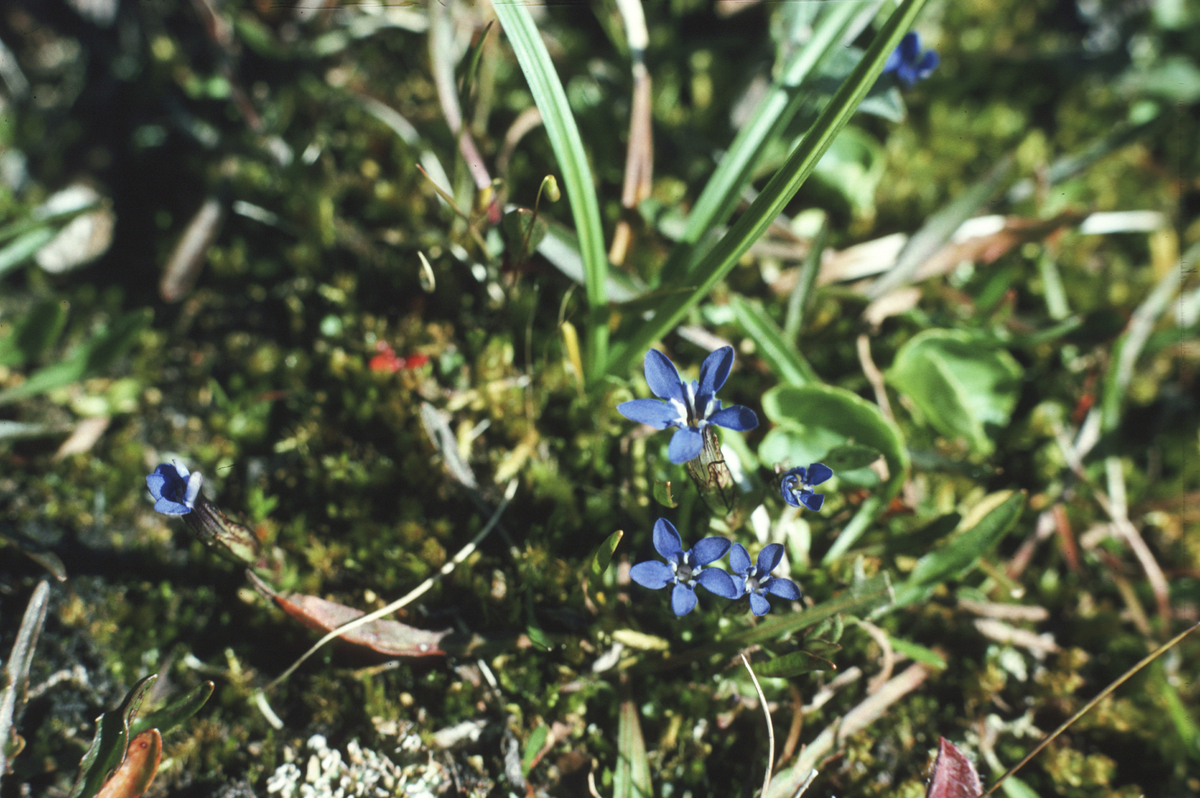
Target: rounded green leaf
(962,386)
(814,420)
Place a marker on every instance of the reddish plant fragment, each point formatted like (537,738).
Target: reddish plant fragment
(137,770)
(953,774)
(387,359)
(387,637)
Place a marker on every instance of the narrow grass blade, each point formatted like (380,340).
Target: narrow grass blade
(802,293)
(779,352)
(560,126)
(1131,343)
(632,779)
(939,227)
(778,106)
(775,196)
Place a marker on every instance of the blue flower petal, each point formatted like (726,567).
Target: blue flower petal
(662,377)
(737,418)
(666,540)
(910,46)
(759,605)
(717,581)
(739,559)
(715,370)
(168,507)
(709,550)
(683,599)
(818,473)
(685,445)
(652,574)
(784,588)
(812,501)
(769,557)
(659,415)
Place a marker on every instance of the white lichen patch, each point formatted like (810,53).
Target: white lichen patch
(362,774)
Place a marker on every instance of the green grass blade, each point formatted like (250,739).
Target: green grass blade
(783,99)
(778,192)
(632,777)
(779,352)
(802,293)
(560,126)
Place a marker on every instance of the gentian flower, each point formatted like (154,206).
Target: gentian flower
(174,489)
(177,491)
(684,569)
(757,580)
(908,63)
(689,406)
(797,485)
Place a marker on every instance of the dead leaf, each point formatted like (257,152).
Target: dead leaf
(387,637)
(135,773)
(953,774)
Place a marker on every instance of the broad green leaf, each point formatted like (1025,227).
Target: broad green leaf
(767,206)
(551,101)
(90,359)
(961,386)
(168,717)
(780,353)
(33,333)
(850,457)
(978,533)
(793,664)
(108,746)
(533,745)
(853,167)
(632,779)
(814,420)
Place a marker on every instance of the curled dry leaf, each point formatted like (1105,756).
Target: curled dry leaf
(387,637)
(137,770)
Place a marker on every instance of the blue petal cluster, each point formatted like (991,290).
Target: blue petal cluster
(797,485)
(174,488)
(690,406)
(684,569)
(756,578)
(908,63)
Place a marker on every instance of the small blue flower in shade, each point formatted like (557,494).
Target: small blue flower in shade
(684,569)
(691,406)
(908,63)
(797,485)
(174,489)
(757,580)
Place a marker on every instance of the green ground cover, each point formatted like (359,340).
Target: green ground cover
(332,258)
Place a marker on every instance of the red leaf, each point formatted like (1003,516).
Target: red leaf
(387,637)
(137,770)
(953,774)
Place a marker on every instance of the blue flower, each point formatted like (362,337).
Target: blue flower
(174,489)
(797,485)
(689,406)
(757,580)
(907,62)
(684,569)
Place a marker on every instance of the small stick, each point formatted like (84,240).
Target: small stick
(1088,706)
(770,728)
(465,552)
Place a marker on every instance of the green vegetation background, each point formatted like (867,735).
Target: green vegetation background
(260,377)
